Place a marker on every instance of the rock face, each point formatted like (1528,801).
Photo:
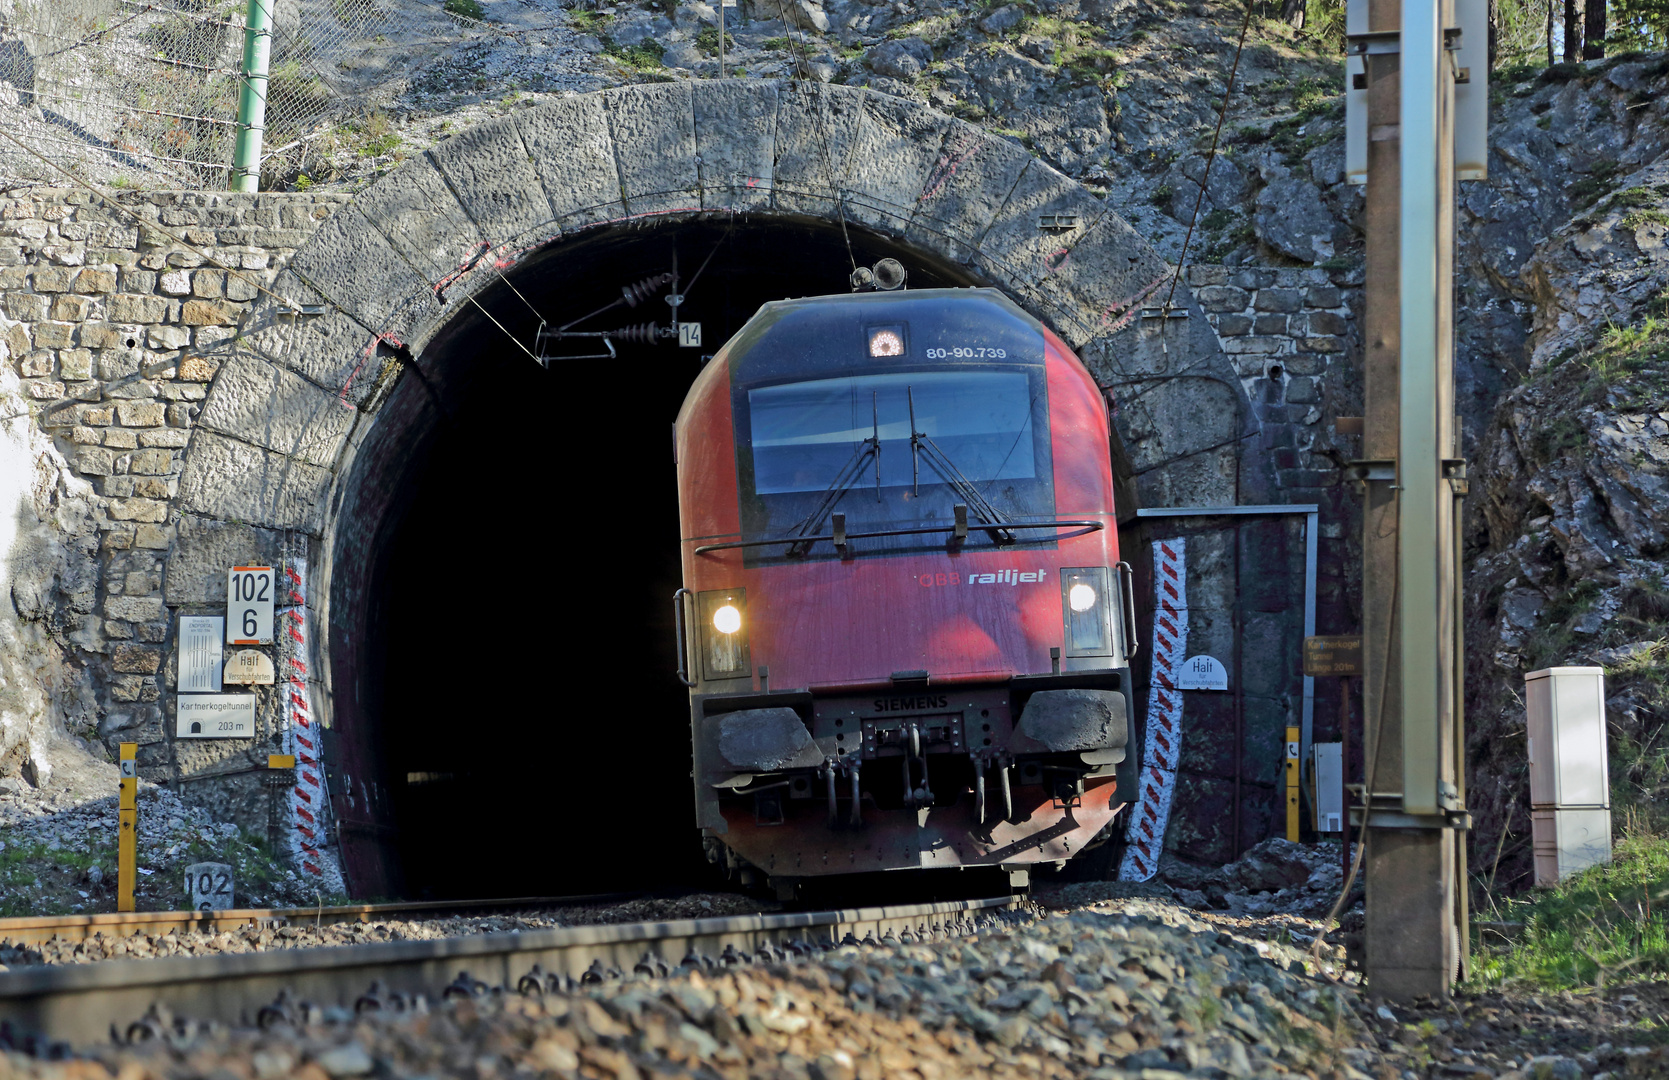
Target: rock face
(1291,219)
(50,573)
(1571,526)
(901,59)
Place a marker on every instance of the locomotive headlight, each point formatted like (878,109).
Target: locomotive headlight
(1085,596)
(724,636)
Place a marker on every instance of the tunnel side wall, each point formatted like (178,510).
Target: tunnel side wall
(201,424)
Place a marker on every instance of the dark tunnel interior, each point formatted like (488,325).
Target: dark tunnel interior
(532,733)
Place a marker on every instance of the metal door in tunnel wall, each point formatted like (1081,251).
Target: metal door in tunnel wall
(358,804)
(1245,598)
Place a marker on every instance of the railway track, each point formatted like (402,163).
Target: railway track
(33,930)
(85,1003)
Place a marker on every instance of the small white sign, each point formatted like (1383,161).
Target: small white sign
(1203,673)
(215,716)
(246,667)
(689,335)
(200,652)
(249,596)
(208,885)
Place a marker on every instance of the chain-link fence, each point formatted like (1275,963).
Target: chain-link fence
(144,93)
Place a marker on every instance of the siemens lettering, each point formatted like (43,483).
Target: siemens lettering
(920,703)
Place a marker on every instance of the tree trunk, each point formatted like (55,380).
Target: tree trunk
(1292,11)
(1573,33)
(1593,44)
(1550,4)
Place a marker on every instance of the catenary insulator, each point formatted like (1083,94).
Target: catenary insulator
(644,333)
(640,291)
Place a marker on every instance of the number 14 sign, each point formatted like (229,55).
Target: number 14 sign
(249,592)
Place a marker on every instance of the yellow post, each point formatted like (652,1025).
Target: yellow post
(127,841)
(1292,784)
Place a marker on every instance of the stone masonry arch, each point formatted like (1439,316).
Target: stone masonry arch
(300,391)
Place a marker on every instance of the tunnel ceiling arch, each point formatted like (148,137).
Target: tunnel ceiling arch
(406,257)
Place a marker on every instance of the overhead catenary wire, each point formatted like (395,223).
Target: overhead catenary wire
(803,66)
(1216,137)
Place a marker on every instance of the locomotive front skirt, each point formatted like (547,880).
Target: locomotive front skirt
(905,626)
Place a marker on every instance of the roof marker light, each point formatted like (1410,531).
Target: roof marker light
(886,341)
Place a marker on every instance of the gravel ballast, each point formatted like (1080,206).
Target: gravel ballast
(1139,988)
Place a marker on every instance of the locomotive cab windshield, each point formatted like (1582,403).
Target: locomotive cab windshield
(920,403)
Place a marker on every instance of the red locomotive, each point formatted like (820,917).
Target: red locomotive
(905,626)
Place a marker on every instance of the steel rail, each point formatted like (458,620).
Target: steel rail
(85,1003)
(35,929)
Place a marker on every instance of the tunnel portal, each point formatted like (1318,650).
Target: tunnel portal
(493,541)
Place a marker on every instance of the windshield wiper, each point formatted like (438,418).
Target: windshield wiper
(941,463)
(806,534)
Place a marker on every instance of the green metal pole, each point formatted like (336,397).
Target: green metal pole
(252,99)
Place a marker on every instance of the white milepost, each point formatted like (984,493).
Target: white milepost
(208,885)
(249,597)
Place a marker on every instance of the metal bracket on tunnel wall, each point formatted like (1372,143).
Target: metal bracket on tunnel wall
(1146,831)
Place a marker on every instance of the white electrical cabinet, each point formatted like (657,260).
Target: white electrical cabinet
(1567,839)
(1328,770)
(1570,781)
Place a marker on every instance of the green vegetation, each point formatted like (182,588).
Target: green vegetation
(1519,71)
(1645,217)
(1324,25)
(588,22)
(1625,353)
(1600,181)
(1599,927)
(469,9)
(707,40)
(1629,198)
(1641,25)
(776,43)
(1217,220)
(644,56)
(377,135)
(21,865)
